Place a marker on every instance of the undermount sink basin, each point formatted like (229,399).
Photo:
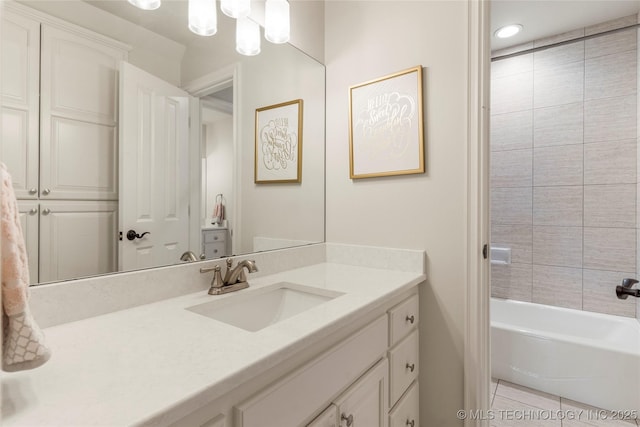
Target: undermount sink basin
(255,310)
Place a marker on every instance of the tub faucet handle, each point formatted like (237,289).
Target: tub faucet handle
(623,291)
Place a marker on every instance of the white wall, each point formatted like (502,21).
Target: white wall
(153,53)
(369,39)
(292,211)
(219,158)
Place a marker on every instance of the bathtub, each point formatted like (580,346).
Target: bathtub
(588,357)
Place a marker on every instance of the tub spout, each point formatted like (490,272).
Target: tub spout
(623,291)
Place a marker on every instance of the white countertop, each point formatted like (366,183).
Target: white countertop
(133,365)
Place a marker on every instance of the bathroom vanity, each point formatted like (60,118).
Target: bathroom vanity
(347,354)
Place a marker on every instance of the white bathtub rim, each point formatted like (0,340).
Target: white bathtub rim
(631,347)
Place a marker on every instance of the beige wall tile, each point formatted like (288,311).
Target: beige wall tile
(512,131)
(559,246)
(511,205)
(611,249)
(513,65)
(610,162)
(511,281)
(511,168)
(561,125)
(611,75)
(613,24)
(561,165)
(558,84)
(512,93)
(610,205)
(558,55)
(599,293)
(622,41)
(561,206)
(517,237)
(569,35)
(512,49)
(611,119)
(557,286)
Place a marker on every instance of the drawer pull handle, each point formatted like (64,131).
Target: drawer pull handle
(411,319)
(348,419)
(411,423)
(411,366)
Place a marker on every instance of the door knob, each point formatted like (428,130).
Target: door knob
(132,235)
(33,191)
(348,419)
(46,192)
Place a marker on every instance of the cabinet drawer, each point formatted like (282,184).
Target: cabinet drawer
(328,418)
(403,360)
(214,236)
(407,411)
(402,319)
(214,250)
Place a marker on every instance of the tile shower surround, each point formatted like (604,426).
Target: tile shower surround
(564,176)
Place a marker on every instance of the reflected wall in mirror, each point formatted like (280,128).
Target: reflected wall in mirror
(82,150)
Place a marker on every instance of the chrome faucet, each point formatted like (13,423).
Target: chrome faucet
(189,256)
(234,278)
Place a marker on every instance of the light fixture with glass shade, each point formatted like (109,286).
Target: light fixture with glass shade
(247,37)
(203,17)
(235,8)
(146,4)
(276,21)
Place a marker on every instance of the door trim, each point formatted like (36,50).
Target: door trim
(203,86)
(477,353)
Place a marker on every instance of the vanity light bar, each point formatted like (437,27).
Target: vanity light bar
(203,20)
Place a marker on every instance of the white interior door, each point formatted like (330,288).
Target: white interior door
(154,170)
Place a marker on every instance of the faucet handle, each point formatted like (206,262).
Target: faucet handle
(216,283)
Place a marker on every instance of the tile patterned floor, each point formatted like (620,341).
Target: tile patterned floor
(517,406)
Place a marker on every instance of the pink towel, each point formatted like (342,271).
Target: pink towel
(218,213)
(23,345)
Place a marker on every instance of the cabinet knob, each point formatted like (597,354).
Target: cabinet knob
(411,423)
(46,211)
(348,419)
(410,319)
(33,211)
(46,192)
(33,191)
(215,237)
(411,366)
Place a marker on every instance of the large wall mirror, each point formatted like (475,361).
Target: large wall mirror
(132,144)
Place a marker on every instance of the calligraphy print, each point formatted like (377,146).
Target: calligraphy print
(278,143)
(386,126)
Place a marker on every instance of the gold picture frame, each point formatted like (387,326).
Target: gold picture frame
(386,135)
(278,143)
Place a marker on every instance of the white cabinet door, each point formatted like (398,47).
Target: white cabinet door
(20,74)
(328,418)
(77,239)
(30,229)
(364,404)
(79,113)
(154,169)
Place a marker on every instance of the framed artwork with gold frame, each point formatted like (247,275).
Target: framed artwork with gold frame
(278,148)
(386,134)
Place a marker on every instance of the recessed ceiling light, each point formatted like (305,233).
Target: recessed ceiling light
(508,31)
